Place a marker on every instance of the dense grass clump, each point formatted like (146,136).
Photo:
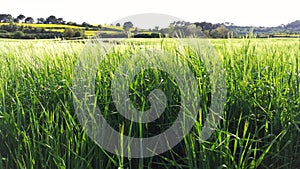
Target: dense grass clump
(259,129)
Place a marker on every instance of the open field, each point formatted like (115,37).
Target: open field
(259,129)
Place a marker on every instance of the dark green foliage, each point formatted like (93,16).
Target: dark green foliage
(147,35)
(127,25)
(73,33)
(18,34)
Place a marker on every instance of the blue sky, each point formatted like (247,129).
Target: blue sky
(240,12)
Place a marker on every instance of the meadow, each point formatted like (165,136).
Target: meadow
(259,128)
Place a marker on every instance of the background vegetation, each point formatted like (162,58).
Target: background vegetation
(54,27)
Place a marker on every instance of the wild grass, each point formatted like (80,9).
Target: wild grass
(259,129)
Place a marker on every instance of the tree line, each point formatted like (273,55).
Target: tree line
(8,18)
(218,30)
(12,30)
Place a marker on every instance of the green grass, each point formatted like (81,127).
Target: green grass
(259,129)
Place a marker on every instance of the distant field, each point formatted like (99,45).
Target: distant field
(46,26)
(259,129)
(107,29)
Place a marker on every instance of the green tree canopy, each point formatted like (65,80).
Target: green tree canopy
(127,25)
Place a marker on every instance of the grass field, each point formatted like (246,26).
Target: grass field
(259,129)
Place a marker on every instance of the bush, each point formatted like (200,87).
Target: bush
(69,33)
(147,35)
(119,35)
(3,31)
(78,34)
(5,35)
(18,34)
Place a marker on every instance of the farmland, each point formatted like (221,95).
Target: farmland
(259,128)
(34,30)
(52,31)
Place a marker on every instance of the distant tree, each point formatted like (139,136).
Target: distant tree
(99,26)
(84,24)
(29,20)
(127,25)
(222,31)
(293,25)
(72,23)
(21,17)
(69,23)
(214,33)
(9,18)
(6,18)
(118,24)
(219,32)
(60,21)
(51,20)
(192,30)
(16,20)
(205,25)
(207,33)
(170,30)
(41,20)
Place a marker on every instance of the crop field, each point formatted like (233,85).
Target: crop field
(260,126)
(108,29)
(46,26)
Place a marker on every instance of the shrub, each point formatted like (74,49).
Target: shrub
(69,33)
(147,35)
(3,31)
(18,34)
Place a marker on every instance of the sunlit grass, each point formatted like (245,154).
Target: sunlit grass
(260,127)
